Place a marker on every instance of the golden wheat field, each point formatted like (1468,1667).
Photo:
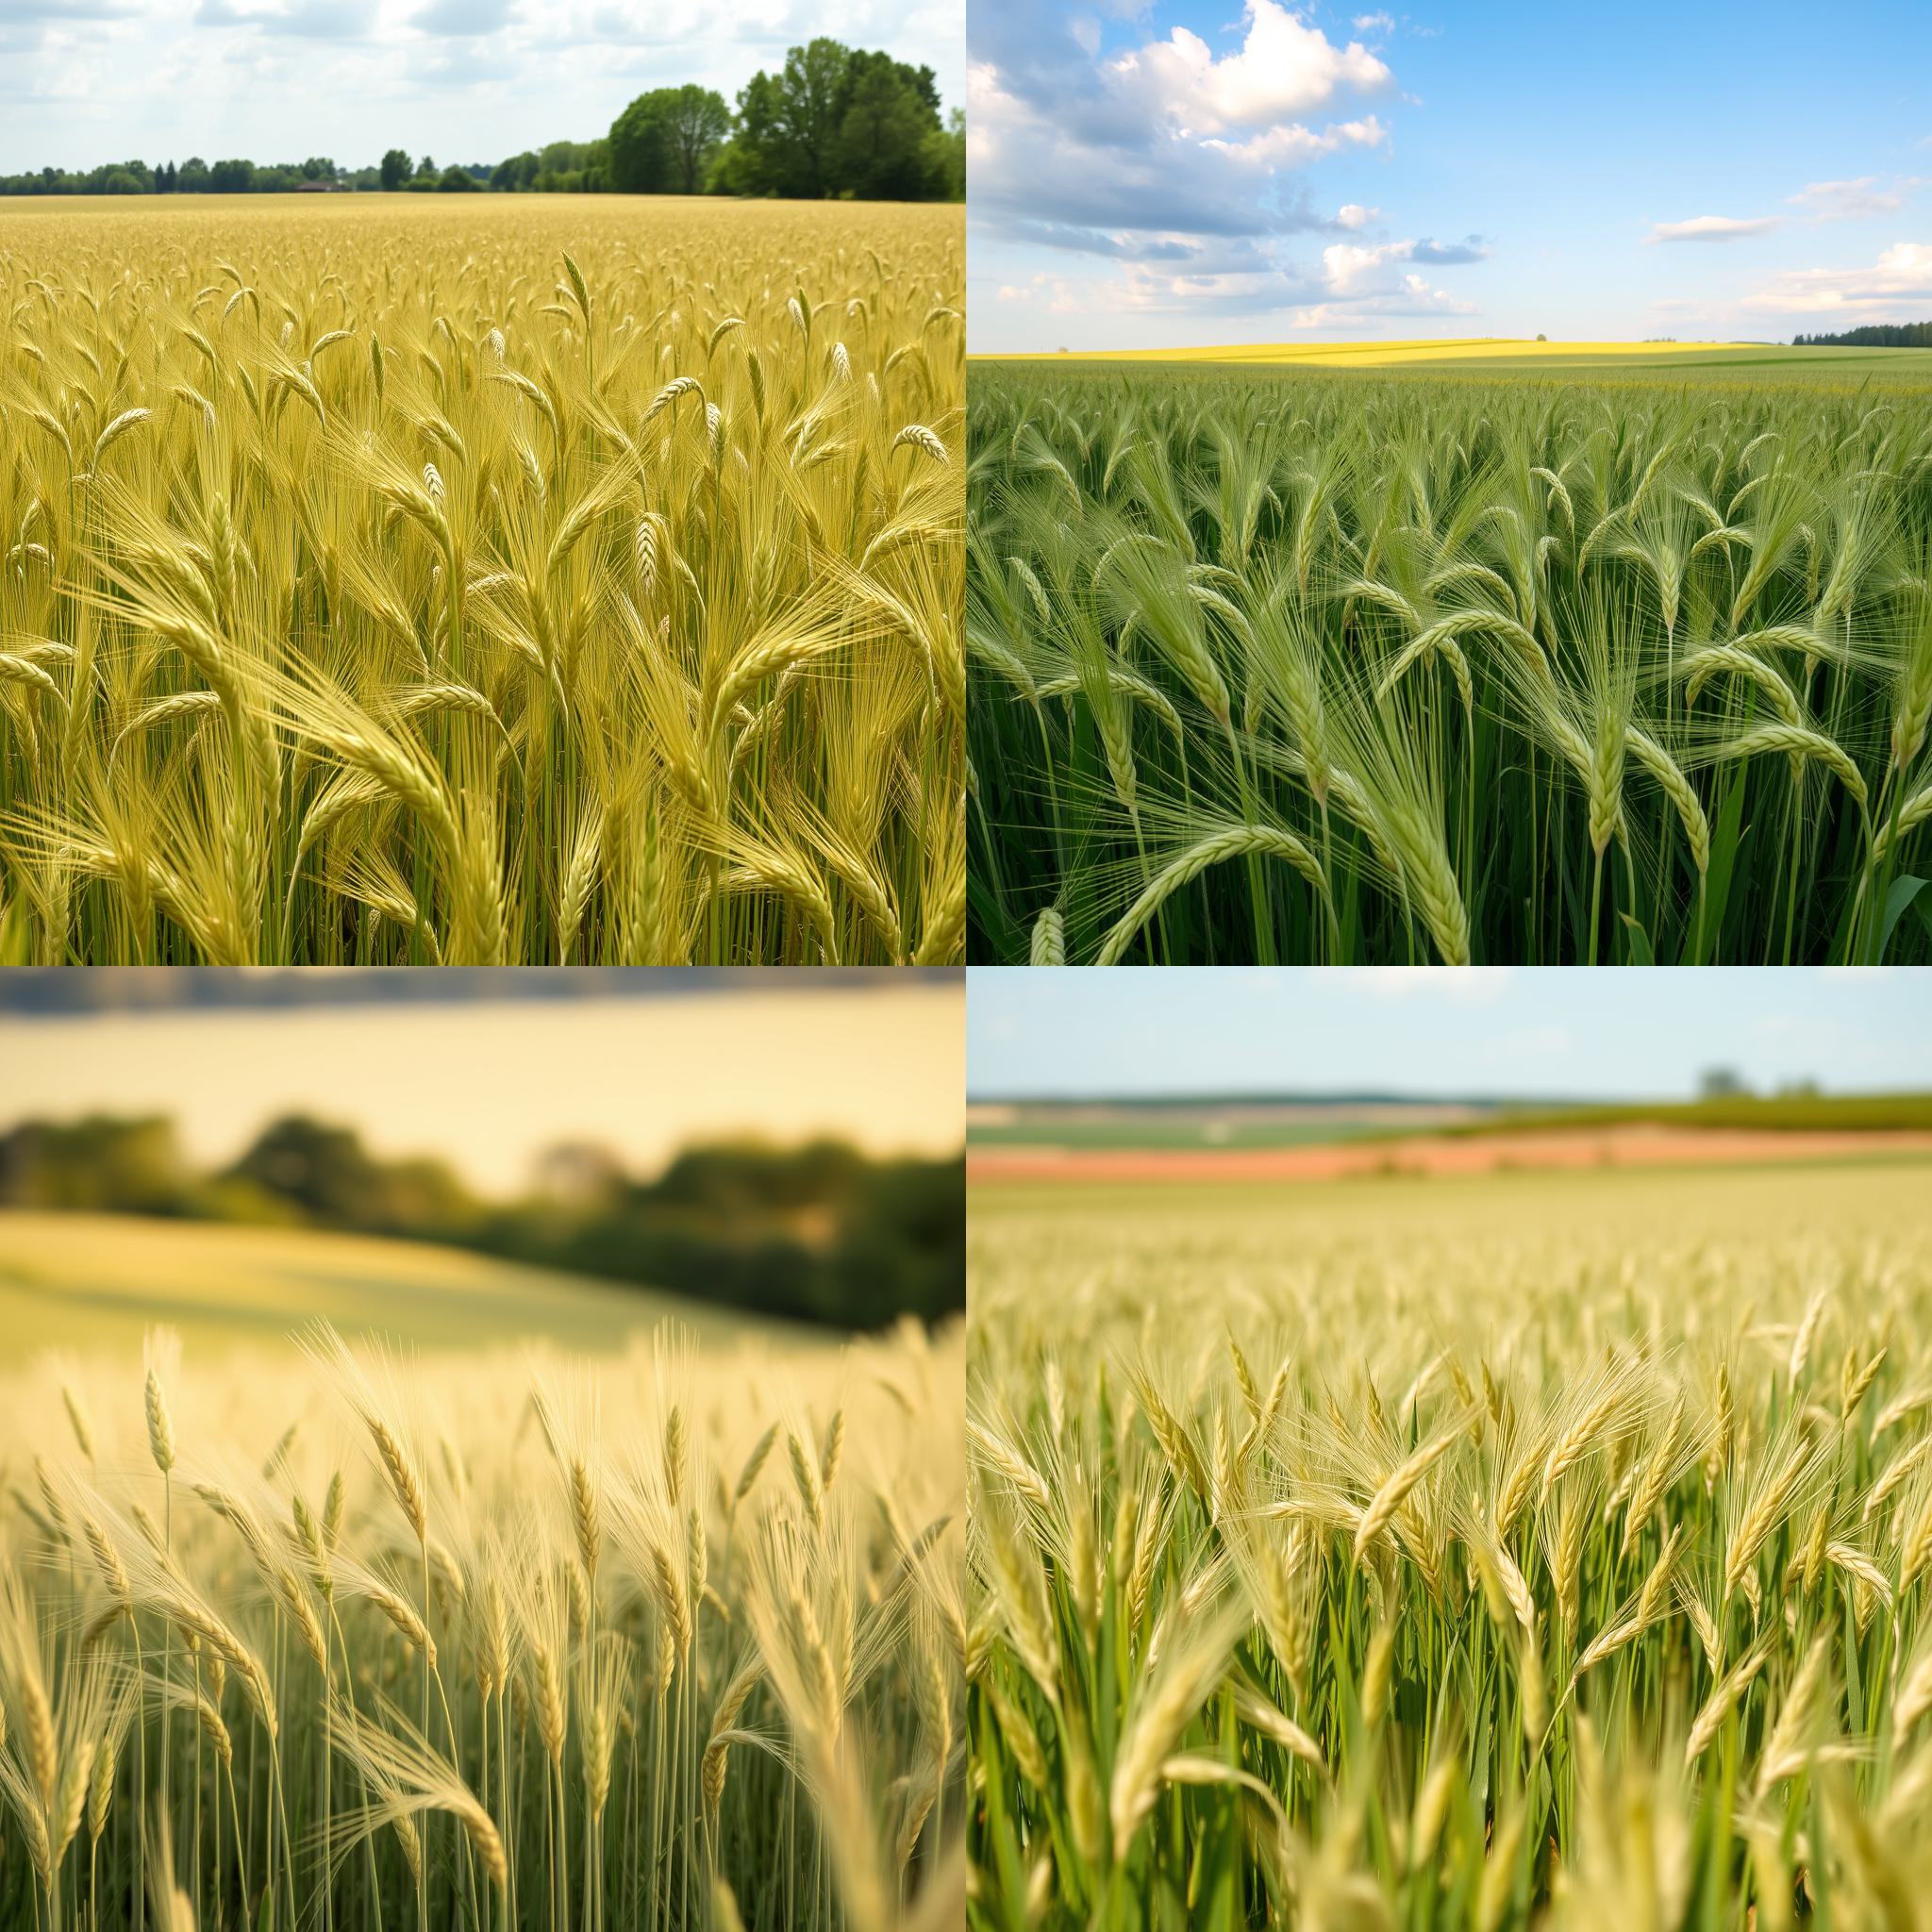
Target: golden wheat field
(670,1639)
(548,580)
(1488,1553)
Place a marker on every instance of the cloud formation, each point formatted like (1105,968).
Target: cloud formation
(313,20)
(1284,68)
(1901,279)
(1714,229)
(1351,269)
(1183,168)
(461,19)
(1853,201)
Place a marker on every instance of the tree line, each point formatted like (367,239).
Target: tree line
(817,1232)
(834,121)
(1873,335)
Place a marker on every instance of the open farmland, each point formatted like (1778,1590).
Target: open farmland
(1286,665)
(599,1630)
(1310,1138)
(535,580)
(1498,356)
(1527,1550)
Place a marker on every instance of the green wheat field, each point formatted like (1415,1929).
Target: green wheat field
(1613,660)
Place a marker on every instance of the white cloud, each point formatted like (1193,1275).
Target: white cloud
(1293,145)
(1373,24)
(1901,275)
(1284,68)
(1353,269)
(1853,201)
(1352,214)
(1714,229)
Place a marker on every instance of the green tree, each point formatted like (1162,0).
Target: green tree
(456,180)
(329,1175)
(194,177)
(396,168)
(788,122)
(841,121)
(880,153)
(640,147)
(99,1164)
(945,153)
(696,122)
(862,62)
(516,173)
(231,177)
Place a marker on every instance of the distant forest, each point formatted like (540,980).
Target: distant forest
(834,122)
(814,1233)
(1874,335)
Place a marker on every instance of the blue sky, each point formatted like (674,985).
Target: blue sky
(1148,174)
(86,81)
(1494,1030)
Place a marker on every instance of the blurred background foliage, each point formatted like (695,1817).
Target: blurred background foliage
(816,1231)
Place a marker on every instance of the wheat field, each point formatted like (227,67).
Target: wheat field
(673,1639)
(1486,1554)
(553,580)
(1314,668)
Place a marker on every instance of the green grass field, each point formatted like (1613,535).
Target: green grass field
(1845,1113)
(81,1282)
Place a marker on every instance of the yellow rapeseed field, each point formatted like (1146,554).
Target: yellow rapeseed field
(481,579)
(1372,355)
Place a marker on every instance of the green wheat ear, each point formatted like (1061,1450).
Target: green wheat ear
(578,289)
